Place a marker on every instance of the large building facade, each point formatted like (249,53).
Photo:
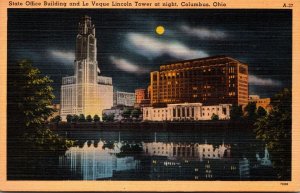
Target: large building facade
(212,80)
(186,111)
(86,92)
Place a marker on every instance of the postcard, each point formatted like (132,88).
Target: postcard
(135,95)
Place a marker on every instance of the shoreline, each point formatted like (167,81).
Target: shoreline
(195,126)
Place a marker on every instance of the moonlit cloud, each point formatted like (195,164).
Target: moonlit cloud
(151,47)
(63,56)
(127,66)
(203,33)
(254,80)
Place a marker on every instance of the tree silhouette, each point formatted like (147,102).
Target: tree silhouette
(29,102)
(89,118)
(214,117)
(275,130)
(69,118)
(236,112)
(96,118)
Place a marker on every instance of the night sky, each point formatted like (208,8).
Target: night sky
(129,48)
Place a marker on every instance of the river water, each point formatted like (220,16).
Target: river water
(214,155)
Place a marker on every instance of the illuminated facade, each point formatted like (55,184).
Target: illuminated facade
(212,80)
(86,92)
(124,98)
(142,98)
(261,102)
(186,111)
(140,94)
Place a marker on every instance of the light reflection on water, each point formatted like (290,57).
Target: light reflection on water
(161,158)
(97,162)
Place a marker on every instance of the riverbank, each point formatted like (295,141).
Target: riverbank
(152,126)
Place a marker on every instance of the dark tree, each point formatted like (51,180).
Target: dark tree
(236,112)
(108,117)
(56,119)
(126,113)
(89,118)
(261,112)
(29,106)
(29,98)
(250,110)
(69,118)
(75,118)
(81,118)
(136,113)
(96,118)
(214,117)
(275,130)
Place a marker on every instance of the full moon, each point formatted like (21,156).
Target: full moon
(160,30)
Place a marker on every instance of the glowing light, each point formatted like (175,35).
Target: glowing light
(160,30)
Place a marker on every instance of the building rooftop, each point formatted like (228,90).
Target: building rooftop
(210,60)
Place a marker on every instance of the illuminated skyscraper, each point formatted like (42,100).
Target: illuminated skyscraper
(86,92)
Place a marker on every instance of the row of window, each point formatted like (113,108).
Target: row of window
(213,155)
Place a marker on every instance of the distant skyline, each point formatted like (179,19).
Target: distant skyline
(129,48)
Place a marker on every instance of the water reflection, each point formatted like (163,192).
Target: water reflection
(186,151)
(97,162)
(163,160)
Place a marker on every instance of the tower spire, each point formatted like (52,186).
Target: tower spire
(86,26)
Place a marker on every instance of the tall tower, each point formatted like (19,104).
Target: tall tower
(86,66)
(86,92)
(86,52)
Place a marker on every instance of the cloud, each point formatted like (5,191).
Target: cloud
(63,56)
(127,66)
(151,47)
(254,80)
(203,33)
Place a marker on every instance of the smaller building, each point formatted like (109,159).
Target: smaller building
(186,111)
(124,98)
(260,102)
(140,94)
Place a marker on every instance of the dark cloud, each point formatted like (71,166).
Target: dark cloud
(128,48)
